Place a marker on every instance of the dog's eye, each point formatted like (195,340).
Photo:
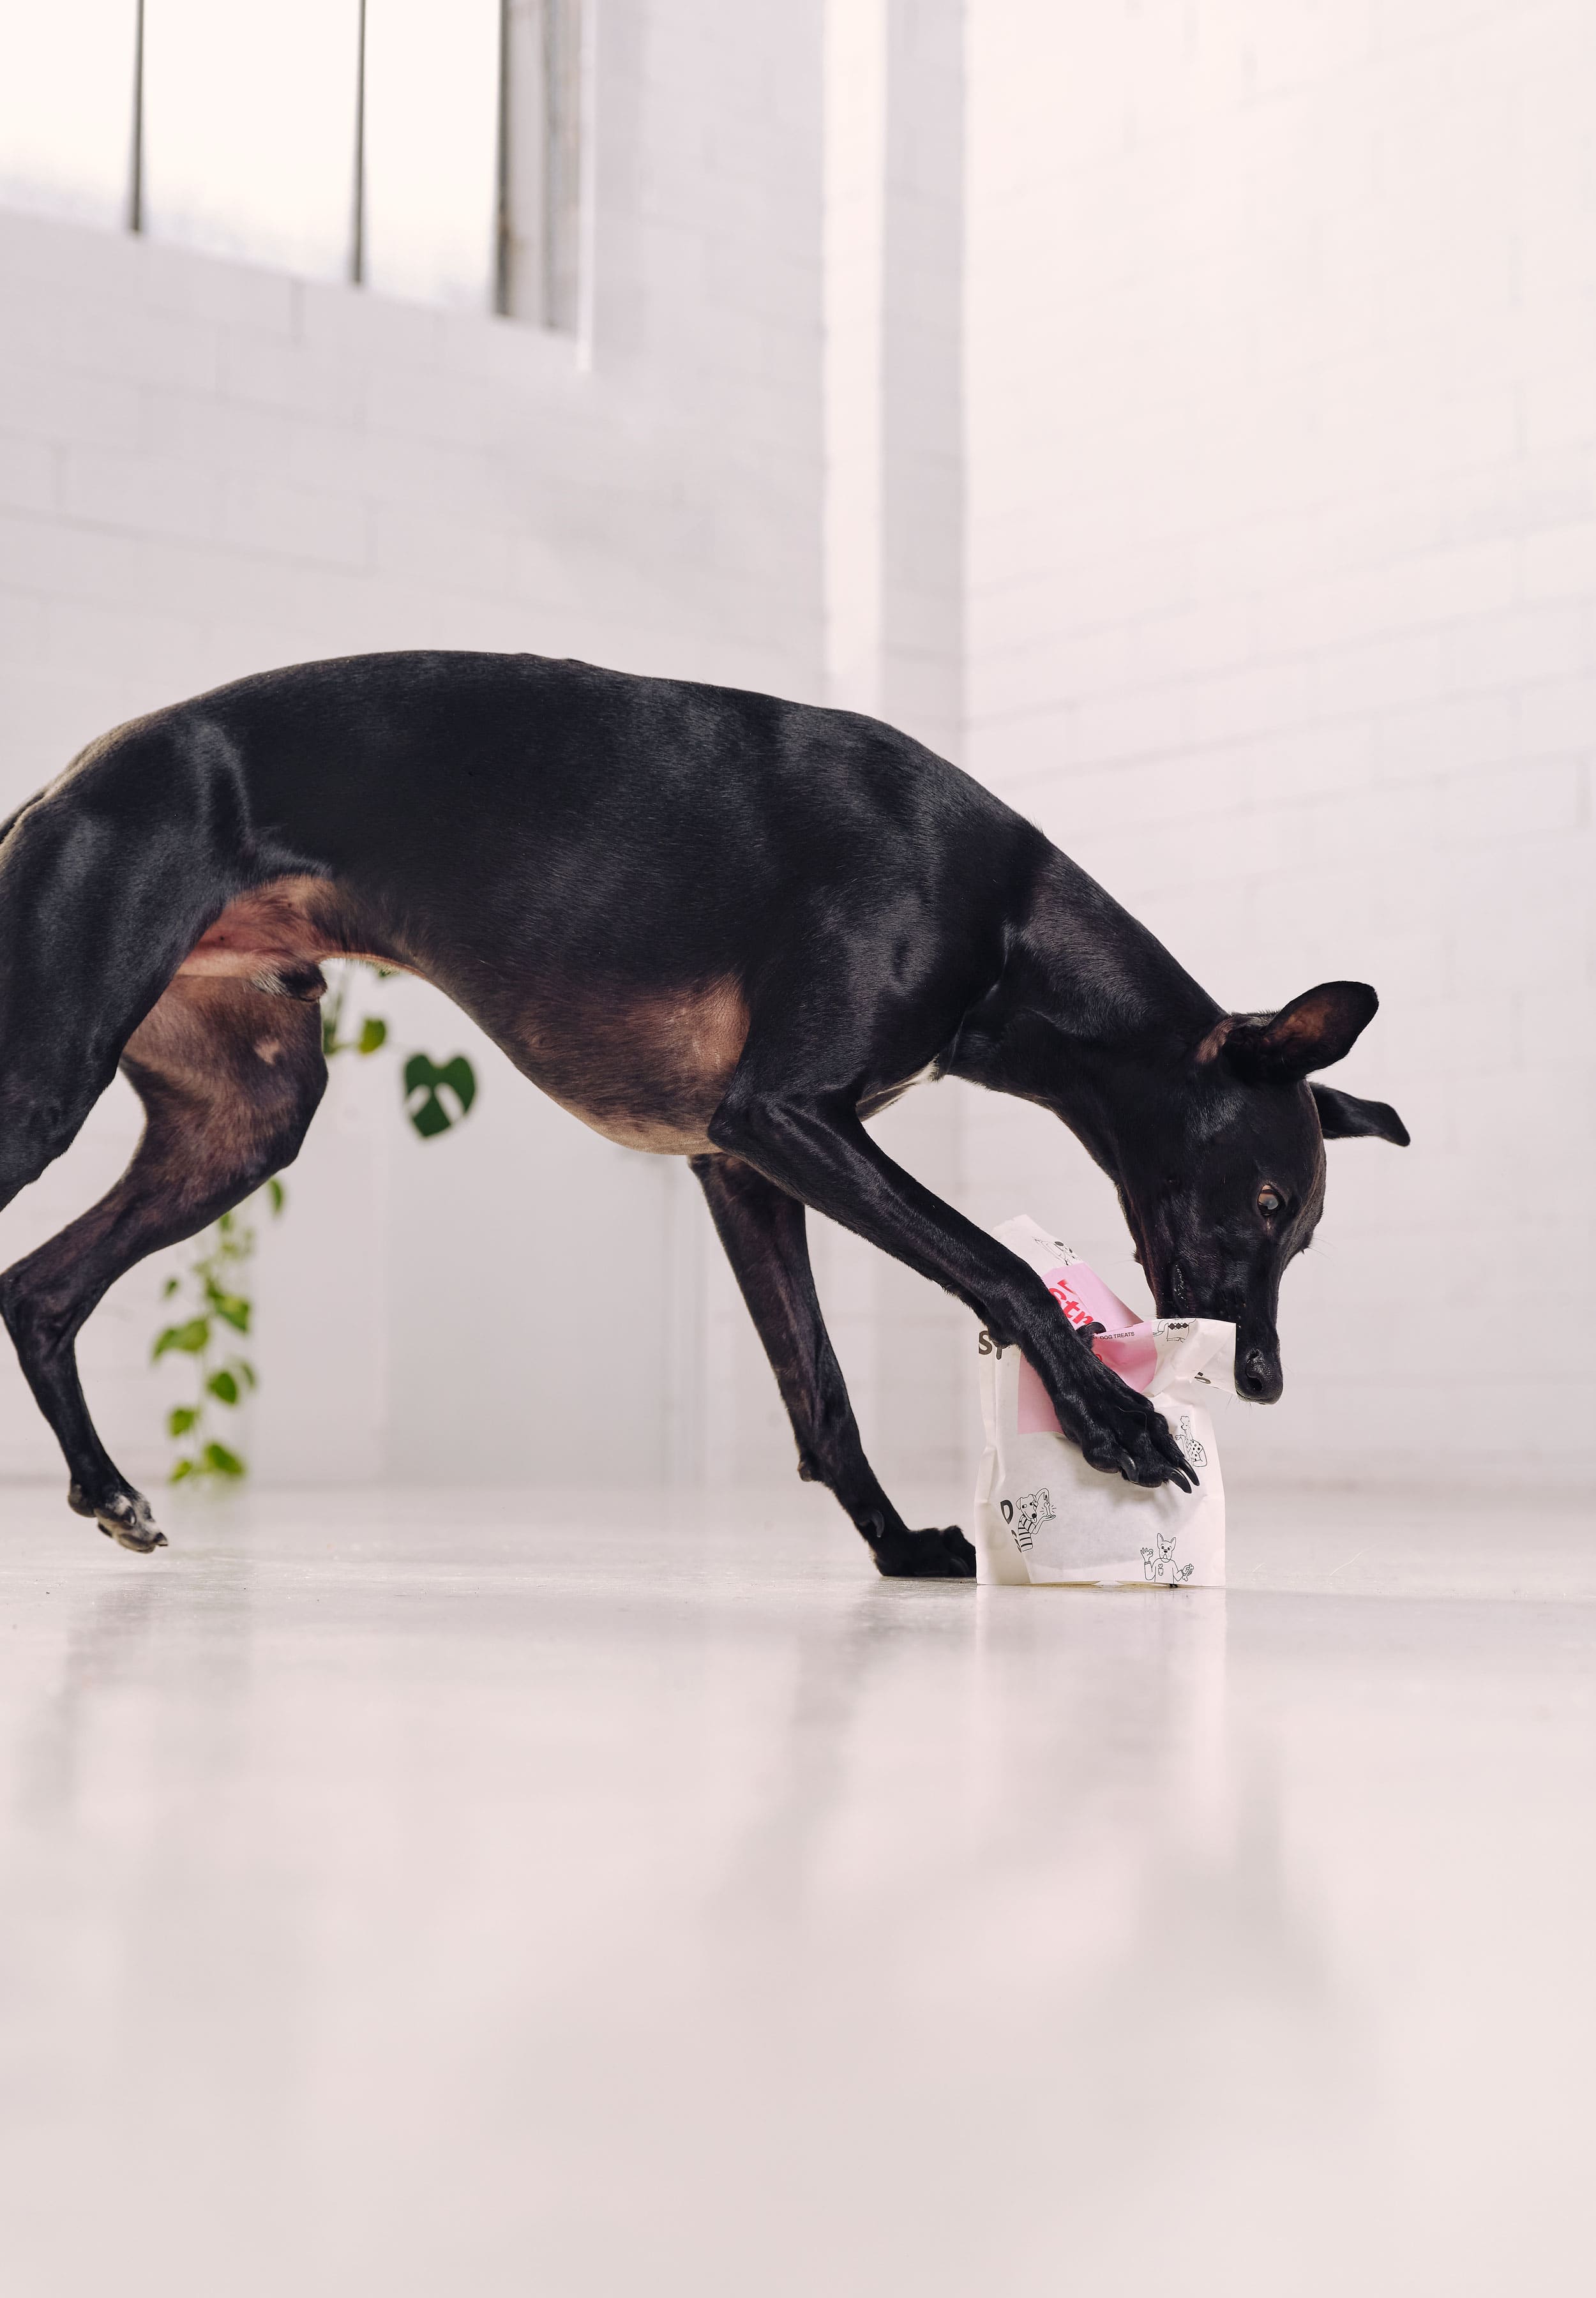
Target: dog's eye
(1269,1200)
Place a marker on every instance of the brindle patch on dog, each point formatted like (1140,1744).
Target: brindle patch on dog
(260,933)
(276,937)
(645,1068)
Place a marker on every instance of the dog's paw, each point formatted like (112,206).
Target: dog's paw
(122,1516)
(1153,1459)
(1124,1436)
(937,1555)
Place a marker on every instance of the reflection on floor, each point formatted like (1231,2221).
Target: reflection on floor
(471,1895)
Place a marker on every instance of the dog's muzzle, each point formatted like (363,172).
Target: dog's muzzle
(1258,1375)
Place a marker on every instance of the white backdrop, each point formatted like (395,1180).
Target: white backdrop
(1281,332)
(207,467)
(1212,401)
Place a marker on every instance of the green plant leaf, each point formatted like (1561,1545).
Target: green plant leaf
(226,1245)
(431,1117)
(373,1034)
(459,1074)
(169,1288)
(424,1104)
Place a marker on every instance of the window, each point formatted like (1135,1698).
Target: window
(430,152)
(540,142)
(248,120)
(428,148)
(66,106)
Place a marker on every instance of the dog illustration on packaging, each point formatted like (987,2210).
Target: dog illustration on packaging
(1191,1444)
(1024,1514)
(1159,1563)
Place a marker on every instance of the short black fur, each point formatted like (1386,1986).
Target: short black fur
(711,923)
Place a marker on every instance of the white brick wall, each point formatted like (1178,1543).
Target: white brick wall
(894,555)
(207,468)
(1282,615)
(1253,553)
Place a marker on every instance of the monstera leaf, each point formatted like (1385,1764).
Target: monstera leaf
(426,1081)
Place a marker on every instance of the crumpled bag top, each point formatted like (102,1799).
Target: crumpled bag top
(1151,1355)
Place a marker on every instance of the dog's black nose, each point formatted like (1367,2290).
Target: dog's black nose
(1258,1375)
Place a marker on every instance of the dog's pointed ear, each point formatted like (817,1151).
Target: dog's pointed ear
(1319,1026)
(1343,1117)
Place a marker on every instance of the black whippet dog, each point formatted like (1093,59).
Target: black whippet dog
(710,923)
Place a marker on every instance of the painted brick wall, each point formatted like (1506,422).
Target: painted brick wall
(1263,575)
(1282,619)
(207,468)
(901,1343)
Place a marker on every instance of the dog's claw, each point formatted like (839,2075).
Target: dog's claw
(1122,1435)
(1164,1437)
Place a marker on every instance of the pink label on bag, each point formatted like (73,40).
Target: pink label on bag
(1033,1406)
(1085,1300)
(1133,1355)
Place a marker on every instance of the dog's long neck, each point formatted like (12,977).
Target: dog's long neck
(1091,1016)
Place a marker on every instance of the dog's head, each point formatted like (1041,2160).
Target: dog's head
(1223,1180)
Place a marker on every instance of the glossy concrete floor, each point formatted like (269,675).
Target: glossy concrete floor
(469,1895)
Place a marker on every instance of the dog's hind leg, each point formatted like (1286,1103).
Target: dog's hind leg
(107,880)
(762,1230)
(229,1077)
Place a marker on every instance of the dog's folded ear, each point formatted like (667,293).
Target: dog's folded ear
(1319,1026)
(1343,1117)
(1312,1031)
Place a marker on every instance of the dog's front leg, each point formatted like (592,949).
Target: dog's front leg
(762,1229)
(817,1150)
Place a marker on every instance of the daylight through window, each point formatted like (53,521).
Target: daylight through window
(425,150)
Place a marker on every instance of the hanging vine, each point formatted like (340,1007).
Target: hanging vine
(213,1306)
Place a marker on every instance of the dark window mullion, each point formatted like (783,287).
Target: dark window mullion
(357,231)
(135,157)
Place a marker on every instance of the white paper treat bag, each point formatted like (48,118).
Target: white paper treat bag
(1041,1512)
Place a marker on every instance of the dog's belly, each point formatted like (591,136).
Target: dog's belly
(644,1067)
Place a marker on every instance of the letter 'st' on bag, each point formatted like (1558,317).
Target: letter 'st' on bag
(1041,1512)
